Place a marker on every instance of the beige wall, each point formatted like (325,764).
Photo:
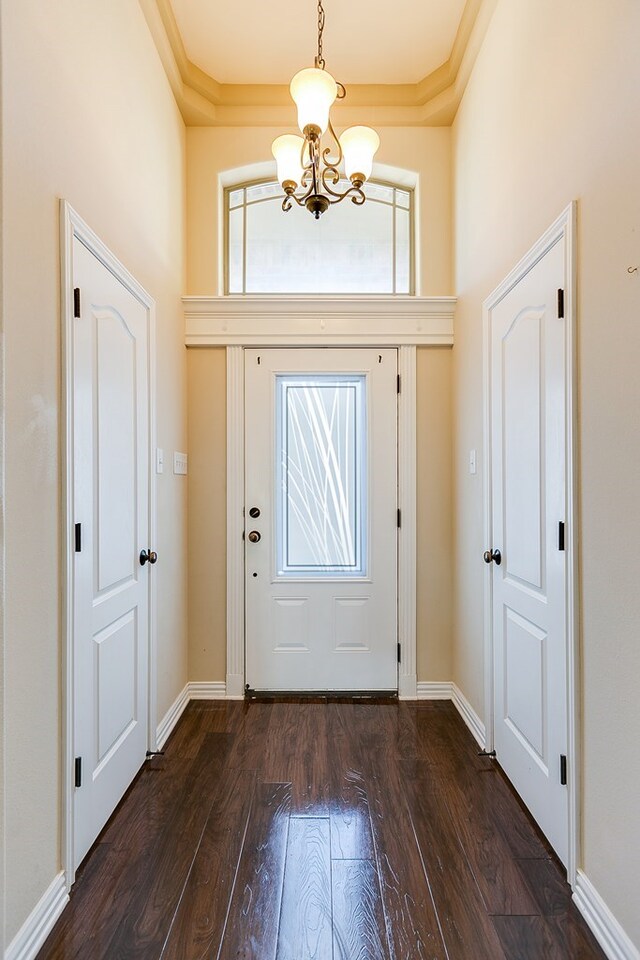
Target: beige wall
(551,115)
(87,115)
(207,380)
(210,152)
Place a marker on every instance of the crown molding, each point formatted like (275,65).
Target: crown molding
(203,101)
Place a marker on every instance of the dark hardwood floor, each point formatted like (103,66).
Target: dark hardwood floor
(320,831)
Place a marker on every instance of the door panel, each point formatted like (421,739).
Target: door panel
(528,493)
(111,501)
(321,469)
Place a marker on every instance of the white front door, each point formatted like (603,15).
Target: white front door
(528,404)
(111,507)
(321,519)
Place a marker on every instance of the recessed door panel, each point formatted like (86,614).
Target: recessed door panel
(115,409)
(522,411)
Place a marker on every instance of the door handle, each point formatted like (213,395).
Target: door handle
(151,556)
(493,555)
(254,536)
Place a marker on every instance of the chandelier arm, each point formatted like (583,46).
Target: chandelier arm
(355,194)
(327,159)
(331,175)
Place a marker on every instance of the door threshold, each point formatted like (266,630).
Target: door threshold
(321,696)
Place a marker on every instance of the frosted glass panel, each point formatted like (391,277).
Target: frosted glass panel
(347,251)
(321,433)
(350,250)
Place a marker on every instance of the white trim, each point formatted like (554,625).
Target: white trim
(235,521)
(407,543)
(447,690)
(406,503)
(606,929)
(563,228)
(72,225)
(469,715)
(40,922)
(210,690)
(309,321)
(434,690)
(171,717)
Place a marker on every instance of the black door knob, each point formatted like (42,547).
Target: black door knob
(255,536)
(493,555)
(148,556)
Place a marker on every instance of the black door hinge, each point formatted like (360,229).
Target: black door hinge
(399,653)
(560,304)
(561,535)
(78,772)
(563,770)
(76,302)
(398,384)
(78,537)
(399,518)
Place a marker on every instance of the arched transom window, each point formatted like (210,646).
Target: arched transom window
(351,249)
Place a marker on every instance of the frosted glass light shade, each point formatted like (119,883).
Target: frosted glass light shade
(313,92)
(287,150)
(359,145)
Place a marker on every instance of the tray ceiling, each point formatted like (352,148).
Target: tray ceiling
(253,42)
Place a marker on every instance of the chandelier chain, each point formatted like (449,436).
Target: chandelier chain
(320,59)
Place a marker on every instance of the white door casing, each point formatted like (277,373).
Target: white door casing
(530,615)
(109,491)
(321,606)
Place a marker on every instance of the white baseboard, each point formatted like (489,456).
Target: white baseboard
(469,715)
(209,690)
(445,690)
(171,717)
(428,690)
(40,922)
(604,926)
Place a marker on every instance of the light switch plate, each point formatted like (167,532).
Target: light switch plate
(180,463)
(159,460)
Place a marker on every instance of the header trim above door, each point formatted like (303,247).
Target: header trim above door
(319,321)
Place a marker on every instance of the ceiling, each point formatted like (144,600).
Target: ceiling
(267,41)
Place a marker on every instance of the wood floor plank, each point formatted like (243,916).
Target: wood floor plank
(252,925)
(413,930)
(358,919)
(145,926)
(501,884)
(466,928)
(200,916)
(349,805)
(551,938)
(305,918)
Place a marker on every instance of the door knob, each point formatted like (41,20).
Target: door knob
(255,536)
(151,556)
(494,555)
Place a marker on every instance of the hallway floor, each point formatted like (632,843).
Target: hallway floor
(321,831)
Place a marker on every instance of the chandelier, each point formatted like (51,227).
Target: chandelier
(303,162)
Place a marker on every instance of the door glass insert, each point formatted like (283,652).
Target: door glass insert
(320,475)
